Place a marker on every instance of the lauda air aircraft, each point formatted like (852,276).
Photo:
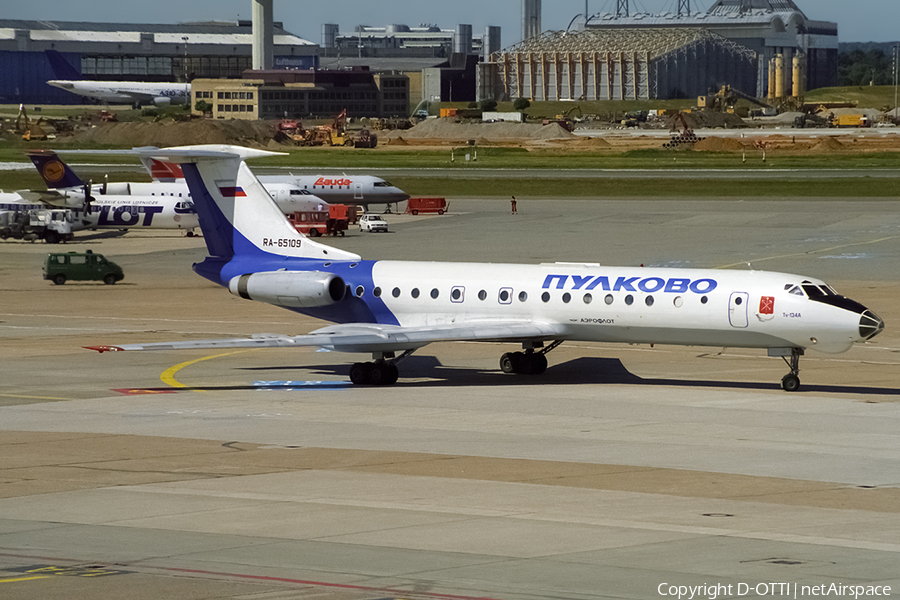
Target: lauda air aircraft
(390,309)
(361,190)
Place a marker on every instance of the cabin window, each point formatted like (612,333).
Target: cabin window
(523,296)
(588,298)
(704,300)
(679,302)
(415,293)
(545,296)
(377,292)
(567,297)
(360,291)
(793,289)
(506,296)
(609,299)
(435,293)
(354,265)
(458,294)
(396,293)
(482,295)
(649,300)
(629,300)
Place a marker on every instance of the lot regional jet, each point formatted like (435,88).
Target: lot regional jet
(390,309)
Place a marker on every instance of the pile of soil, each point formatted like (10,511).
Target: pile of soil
(708,119)
(397,141)
(592,142)
(719,144)
(827,144)
(166,134)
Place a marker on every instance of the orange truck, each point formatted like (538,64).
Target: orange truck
(414,206)
(335,221)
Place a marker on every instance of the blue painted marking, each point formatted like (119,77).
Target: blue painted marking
(296,386)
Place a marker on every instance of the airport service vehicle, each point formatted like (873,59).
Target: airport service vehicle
(390,309)
(373,223)
(58,176)
(72,266)
(360,190)
(415,206)
(332,222)
(131,92)
(30,224)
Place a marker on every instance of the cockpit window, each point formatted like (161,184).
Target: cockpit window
(382,184)
(813,291)
(793,289)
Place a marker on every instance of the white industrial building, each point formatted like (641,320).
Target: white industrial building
(638,55)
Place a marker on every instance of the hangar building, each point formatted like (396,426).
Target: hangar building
(132,52)
(627,55)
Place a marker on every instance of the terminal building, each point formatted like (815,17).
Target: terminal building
(132,52)
(299,94)
(636,55)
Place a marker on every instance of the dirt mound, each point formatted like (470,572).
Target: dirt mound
(709,120)
(397,141)
(553,131)
(718,144)
(164,134)
(827,144)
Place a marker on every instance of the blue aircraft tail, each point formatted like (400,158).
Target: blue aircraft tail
(61,67)
(56,173)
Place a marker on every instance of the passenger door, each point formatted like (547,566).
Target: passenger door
(738,311)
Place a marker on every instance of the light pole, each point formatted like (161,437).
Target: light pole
(185,40)
(896,77)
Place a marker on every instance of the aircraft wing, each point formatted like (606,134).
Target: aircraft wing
(47,197)
(366,337)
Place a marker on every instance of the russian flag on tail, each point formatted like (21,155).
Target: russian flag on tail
(232,192)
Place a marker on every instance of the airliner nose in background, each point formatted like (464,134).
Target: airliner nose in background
(131,92)
(389,309)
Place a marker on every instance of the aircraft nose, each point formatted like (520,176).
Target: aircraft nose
(870,325)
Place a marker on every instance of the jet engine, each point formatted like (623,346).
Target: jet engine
(162,101)
(290,289)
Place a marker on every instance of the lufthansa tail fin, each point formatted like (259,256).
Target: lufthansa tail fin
(56,174)
(61,67)
(237,214)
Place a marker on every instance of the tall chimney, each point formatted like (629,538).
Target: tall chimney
(531,19)
(263,35)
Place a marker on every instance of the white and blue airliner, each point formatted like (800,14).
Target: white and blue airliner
(390,309)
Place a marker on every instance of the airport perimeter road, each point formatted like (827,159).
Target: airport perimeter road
(263,475)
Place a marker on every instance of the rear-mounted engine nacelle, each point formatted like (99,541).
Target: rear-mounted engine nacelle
(291,289)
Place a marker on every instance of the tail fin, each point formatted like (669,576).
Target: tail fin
(237,214)
(56,173)
(61,67)
(161,170)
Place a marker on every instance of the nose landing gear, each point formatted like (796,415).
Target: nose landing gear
(791,381)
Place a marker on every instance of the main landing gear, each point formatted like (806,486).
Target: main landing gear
(791,381)
(528,362)
(383,371)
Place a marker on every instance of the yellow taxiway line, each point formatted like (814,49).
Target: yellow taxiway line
(168,376)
